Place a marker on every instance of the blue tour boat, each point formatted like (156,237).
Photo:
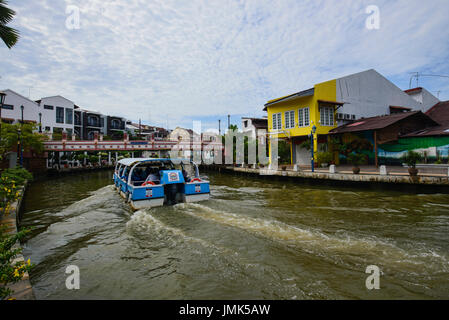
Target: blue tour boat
(149,182)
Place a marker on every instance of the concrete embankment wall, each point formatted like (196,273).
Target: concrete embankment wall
(376,181)
(22,289)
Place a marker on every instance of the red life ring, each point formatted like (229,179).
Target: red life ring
(146,183)
(196,180)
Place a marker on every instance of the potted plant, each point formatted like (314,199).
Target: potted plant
(324,158)
(356,159)
(411,158)
(284,168)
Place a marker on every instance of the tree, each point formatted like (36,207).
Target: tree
(30,140)
(9,35)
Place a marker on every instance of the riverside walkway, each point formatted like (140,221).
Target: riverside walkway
(396,175)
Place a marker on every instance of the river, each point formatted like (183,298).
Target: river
(254,239)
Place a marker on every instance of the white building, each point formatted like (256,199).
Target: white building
(12,108)
(256,128)
(424,97)
(369,94)
(57,114)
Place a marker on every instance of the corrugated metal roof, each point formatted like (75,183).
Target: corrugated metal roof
(433,131)
(379,122)
(440,112)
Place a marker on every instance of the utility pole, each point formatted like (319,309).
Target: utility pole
(219,127)
(140,128)
(229,121)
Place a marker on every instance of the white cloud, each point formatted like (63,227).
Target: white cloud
(179,60)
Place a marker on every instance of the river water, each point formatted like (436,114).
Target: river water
(254,239)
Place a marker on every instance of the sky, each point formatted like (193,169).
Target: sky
(170,63)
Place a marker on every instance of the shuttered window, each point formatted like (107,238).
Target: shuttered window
(303,117)
(277,121)
(289,119)
(327,116)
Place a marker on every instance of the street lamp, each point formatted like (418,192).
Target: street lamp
(40,122)
(2,101)
(22,107)
(312,146)
(19,146)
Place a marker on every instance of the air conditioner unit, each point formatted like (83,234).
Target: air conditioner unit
(347,117)
(340,116)
(353,116)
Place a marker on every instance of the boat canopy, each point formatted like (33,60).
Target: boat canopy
(131,161)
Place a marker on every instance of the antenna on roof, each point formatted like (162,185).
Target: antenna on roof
(417,75)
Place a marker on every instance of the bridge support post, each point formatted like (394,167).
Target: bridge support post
(109,158)
(85,158)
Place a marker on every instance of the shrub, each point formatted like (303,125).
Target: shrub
(411,158)
(324,157)
(19,175)
(11,272)
(356,159)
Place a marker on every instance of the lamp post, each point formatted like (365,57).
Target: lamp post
(2,101)
(312,146)
(40,122)
(22,107)
(19,146)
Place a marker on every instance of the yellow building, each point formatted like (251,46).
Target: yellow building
(293,117)
(356,96)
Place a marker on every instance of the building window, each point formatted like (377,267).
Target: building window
(47,129)
(327,116)
(8,107)
(59,115)
(68,116)
(277,121)
(245,124)
(303,117)
(48,107)
(289,119)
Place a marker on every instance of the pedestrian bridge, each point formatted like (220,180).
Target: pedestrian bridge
(125,145)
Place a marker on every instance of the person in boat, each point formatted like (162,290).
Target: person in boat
(138,175)
(153,175)
(185,175)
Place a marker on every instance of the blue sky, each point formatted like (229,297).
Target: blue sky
(177,61)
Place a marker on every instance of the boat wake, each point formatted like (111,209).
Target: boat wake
(317,243)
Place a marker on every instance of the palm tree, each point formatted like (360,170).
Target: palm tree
(7,34)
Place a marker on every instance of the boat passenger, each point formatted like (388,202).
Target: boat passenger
(153,176)
(185,175)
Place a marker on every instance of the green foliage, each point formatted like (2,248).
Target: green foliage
(306,145)
(11,272)
(284,152)
(411,158)
(30,140)
(18,174)
(9,35)
(93,159)
(324,157)
(356,159)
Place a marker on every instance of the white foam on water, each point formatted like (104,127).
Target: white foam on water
(98,198)
(316,242)
(143,221)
